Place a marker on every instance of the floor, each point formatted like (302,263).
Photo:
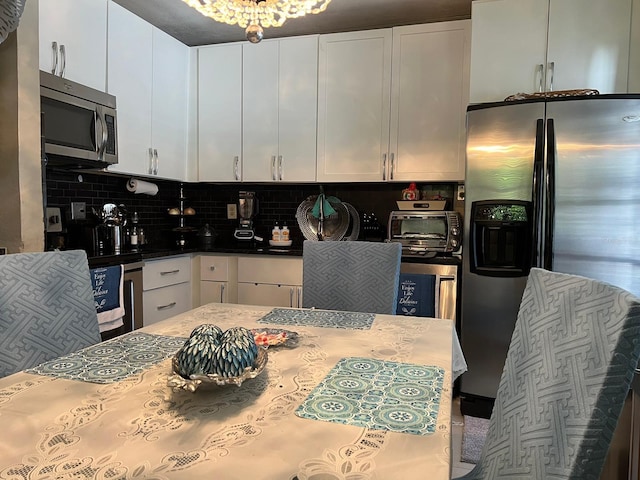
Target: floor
(458,468)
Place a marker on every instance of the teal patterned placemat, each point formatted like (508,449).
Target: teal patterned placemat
(320,318)
(113,360)
(377,394)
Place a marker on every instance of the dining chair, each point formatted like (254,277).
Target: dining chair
(568,370)
(351,276)
(46,308)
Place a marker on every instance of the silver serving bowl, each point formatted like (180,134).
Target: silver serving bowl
(191,384)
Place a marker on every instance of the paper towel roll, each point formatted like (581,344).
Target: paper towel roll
(140,186)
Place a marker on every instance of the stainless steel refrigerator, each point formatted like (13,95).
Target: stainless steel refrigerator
(552,183)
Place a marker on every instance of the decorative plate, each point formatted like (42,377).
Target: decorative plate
(191,384)
(334,226)
(272,337)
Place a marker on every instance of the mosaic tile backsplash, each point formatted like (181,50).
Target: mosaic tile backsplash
(277,202)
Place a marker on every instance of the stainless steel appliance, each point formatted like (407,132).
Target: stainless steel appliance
(247,209)
(550,183)
(424,231)
(79,124)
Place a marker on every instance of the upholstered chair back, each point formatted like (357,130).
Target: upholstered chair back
(46,308)
(568,370)
(351,276)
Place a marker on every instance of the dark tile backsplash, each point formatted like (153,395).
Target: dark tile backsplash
(277,202)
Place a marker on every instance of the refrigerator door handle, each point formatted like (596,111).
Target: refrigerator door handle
(536,193)
(551,194)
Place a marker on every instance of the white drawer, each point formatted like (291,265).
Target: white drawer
(273,270)
(165,302)
(214,268)
(168,271)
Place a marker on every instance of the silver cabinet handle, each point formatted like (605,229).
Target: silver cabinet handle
(299,297)
(291,297)
(155,161)
(222,293)
(280,167)
(540,72)
(54,57)
(164,307)
(150,169)
(63,56)
(236,162)
(551,68)
(273,168)
(392,165)
(384,166)
(170,272)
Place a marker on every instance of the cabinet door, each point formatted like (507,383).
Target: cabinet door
(298,106)
(214,292)
(354,84)
(130,74)
(162,303)
(169,107)
(279,113)
(220,113)
(588,45)
(429,96)
(260,111)
(267,294)
(508,48)
(81,26)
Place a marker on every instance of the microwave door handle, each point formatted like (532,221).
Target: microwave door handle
(105,134)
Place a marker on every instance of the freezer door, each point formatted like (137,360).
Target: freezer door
(595,191)
(501,145)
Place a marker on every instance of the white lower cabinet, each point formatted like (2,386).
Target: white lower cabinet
(218,279)
(167,288)
(271,281)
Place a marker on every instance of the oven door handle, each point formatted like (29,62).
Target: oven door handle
(445,286)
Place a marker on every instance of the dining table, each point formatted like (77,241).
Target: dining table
(341,396)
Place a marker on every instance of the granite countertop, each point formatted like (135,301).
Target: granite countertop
(236,248)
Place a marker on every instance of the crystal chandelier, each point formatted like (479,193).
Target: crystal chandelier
(254,15)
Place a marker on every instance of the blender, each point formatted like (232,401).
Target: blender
(247,209)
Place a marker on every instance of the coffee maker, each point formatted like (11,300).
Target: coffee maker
(247,209)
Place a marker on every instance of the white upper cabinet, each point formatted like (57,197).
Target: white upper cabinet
(73,40)
(354,90)
(279,112)
(148,74)
(220,113)
(529,46)
(429,97)
(392,103)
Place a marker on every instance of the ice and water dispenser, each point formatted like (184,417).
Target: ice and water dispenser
(501,238)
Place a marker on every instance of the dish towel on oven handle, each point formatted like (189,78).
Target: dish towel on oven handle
(107,283)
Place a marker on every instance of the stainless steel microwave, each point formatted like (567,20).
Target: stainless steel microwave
(79,124)
(425,231)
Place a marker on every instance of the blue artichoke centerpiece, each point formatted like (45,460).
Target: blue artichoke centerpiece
(210,351)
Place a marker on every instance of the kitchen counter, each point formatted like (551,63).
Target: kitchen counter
(250,248)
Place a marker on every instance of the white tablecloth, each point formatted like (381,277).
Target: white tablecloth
(140,428)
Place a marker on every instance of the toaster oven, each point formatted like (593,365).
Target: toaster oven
(428,231)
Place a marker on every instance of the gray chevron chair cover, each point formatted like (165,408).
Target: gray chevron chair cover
(351,276)
(568,370)
(46,308)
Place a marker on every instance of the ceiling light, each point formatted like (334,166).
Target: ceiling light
(254,15)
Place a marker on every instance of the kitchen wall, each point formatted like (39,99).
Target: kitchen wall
(277,202)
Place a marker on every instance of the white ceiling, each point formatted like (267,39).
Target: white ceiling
(192,28)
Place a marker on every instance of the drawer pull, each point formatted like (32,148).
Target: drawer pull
(212,268)
(164,307)
(170,272)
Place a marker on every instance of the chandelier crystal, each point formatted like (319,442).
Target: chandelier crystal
(254,15)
